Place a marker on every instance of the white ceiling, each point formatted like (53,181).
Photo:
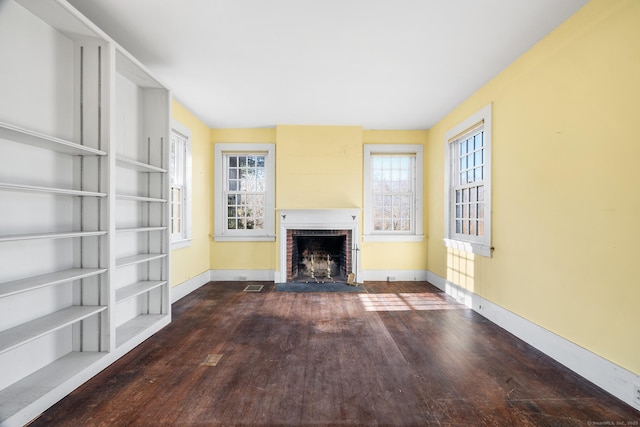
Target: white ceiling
(380,64)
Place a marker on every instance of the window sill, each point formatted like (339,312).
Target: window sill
(473,247)
(393,237)
(226,238)
(182,243)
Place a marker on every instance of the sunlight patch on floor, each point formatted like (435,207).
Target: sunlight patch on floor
(407,302)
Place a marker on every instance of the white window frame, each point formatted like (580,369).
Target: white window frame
(480,245)
(183,239)
(221,232)
(416,233)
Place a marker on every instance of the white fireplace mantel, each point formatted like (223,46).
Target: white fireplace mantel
(318,219)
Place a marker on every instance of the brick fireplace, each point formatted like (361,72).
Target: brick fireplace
(323,255)
(318,243)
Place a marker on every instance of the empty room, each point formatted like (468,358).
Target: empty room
(305,212)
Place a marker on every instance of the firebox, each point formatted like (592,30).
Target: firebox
(318,255)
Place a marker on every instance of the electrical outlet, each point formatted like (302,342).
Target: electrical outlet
(636,394)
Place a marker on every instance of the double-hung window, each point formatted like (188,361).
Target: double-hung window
(393,192)
(244,192)
(180,176)
(468,192)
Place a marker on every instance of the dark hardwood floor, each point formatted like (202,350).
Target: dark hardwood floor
(401,354)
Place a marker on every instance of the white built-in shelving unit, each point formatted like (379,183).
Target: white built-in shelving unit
(84,242)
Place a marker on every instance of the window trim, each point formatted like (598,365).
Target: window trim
(369,234)
(480,245)
(221,233)
(185,240)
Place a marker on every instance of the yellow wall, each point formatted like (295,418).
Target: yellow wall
(566,204)
(317,167)
(240,255)
(190,261)
(391,255)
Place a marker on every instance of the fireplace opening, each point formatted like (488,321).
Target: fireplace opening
(318,255)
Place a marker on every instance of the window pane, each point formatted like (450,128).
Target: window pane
(392,187)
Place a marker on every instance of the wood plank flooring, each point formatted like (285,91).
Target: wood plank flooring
(401,354)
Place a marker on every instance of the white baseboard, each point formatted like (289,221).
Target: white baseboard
(596,369)
(188,286)
(393,276)
(242,275)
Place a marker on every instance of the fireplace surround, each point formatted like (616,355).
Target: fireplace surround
(321,232)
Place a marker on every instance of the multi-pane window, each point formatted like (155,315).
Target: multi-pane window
(393,187)
(468,183)
(178,159)
(468,188)
(245,191)
(393,192)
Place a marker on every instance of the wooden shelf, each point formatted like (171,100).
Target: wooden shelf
(136,289)
(136,326)
(138,259)
(137,166)
(50,190)
(57,235)
(29,331)
(50,279)
(140,229)
(35,139)
(140,198)
(39,384)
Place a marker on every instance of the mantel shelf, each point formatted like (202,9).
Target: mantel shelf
(50,279)
(58,235)
(136,289)
(50,190)
(138,259)
(137,166)
(28,137)
(22,334)
(140,198)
